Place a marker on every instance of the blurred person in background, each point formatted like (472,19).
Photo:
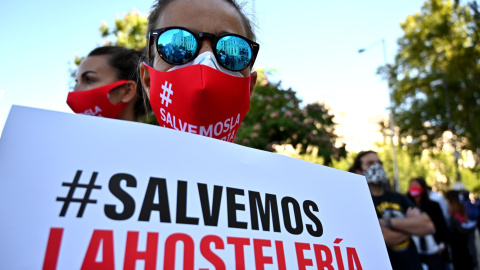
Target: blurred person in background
(432,248)
(472,211)
(398,216)
(440,199)
(461,257)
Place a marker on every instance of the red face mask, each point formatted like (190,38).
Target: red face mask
(200,100)
(96,102)
(415,191)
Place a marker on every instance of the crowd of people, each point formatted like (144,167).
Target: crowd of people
(422,229)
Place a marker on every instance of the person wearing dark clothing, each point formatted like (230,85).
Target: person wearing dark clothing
(472,211)
(399,218)
(461,258)
(394,205)
(432,248)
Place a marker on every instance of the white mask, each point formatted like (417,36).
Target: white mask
(375,174)
(208,59)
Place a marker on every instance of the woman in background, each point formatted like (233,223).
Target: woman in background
(108,85)
(461,258)
(431,248)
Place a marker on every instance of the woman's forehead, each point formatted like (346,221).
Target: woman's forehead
(214,16)
(98,64)
(414,182)
(97,61)
(370,157)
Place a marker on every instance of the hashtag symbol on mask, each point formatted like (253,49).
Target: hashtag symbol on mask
(83,201)
(167,91)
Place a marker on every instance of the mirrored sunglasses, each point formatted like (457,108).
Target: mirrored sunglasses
(178,45)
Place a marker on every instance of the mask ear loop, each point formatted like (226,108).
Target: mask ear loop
(119,83)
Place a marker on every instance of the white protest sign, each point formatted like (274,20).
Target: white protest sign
(81,192)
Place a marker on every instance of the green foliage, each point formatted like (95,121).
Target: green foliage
(440,43)
(410,166)
(471,180)
(345,162)
(437,167)
(276,118)
(129,31)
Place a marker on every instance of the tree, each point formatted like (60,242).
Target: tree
(129,31)
(276,118)
(436,77)
(436,166)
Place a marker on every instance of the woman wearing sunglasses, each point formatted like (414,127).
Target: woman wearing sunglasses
(198,75)
(108,85)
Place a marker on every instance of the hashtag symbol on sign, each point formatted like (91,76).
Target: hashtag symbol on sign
(83,201)
(167,91)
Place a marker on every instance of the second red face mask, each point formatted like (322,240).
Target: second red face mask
(96,102)
(415,191)
(200,100)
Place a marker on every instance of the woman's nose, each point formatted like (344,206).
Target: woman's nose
(205,45)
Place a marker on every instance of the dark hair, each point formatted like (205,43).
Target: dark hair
(125,63)
(453,199)
(160,5)
(424,199)
(357,163)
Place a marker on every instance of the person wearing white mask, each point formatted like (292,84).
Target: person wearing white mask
(399,218)
(198,74)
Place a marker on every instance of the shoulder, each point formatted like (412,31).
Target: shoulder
(393,198)
(431,207)
(432,204)
(396,195)
(400,198)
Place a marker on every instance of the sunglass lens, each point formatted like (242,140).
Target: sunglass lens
(234,52)
(176,46)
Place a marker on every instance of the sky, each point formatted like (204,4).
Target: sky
(312,44)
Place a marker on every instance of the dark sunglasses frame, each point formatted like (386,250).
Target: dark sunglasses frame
(154,35)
